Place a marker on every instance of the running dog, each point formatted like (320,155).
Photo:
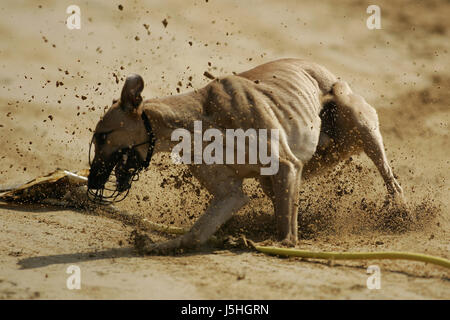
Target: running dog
(321,121)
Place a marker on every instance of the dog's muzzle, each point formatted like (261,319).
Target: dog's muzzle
(126,163)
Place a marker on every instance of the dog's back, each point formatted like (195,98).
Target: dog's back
(284,94)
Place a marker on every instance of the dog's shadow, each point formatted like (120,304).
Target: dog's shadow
(46,260)
(43,261)
(112,253)
(77,257)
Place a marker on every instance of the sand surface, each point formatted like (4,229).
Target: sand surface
(56,82)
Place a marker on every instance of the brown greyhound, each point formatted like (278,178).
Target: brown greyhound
(319,119)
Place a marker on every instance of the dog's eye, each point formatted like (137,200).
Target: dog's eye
(101,138)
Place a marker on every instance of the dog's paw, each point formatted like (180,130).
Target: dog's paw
(148,247)
(396,215)
(141,241)
(288,242)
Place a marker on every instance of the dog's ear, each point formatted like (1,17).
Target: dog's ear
(131,98)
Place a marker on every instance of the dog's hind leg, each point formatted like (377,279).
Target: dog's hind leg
(286,184)
(360,121)
(267,187)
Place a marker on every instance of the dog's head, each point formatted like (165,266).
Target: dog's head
(122,139)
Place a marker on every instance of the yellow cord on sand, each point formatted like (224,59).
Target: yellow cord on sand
(162,227)
(354,255)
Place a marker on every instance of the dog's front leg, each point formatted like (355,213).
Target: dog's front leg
(218,212)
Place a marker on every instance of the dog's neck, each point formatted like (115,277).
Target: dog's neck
(173,112)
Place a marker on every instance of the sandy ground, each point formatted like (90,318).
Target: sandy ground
(55,83)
